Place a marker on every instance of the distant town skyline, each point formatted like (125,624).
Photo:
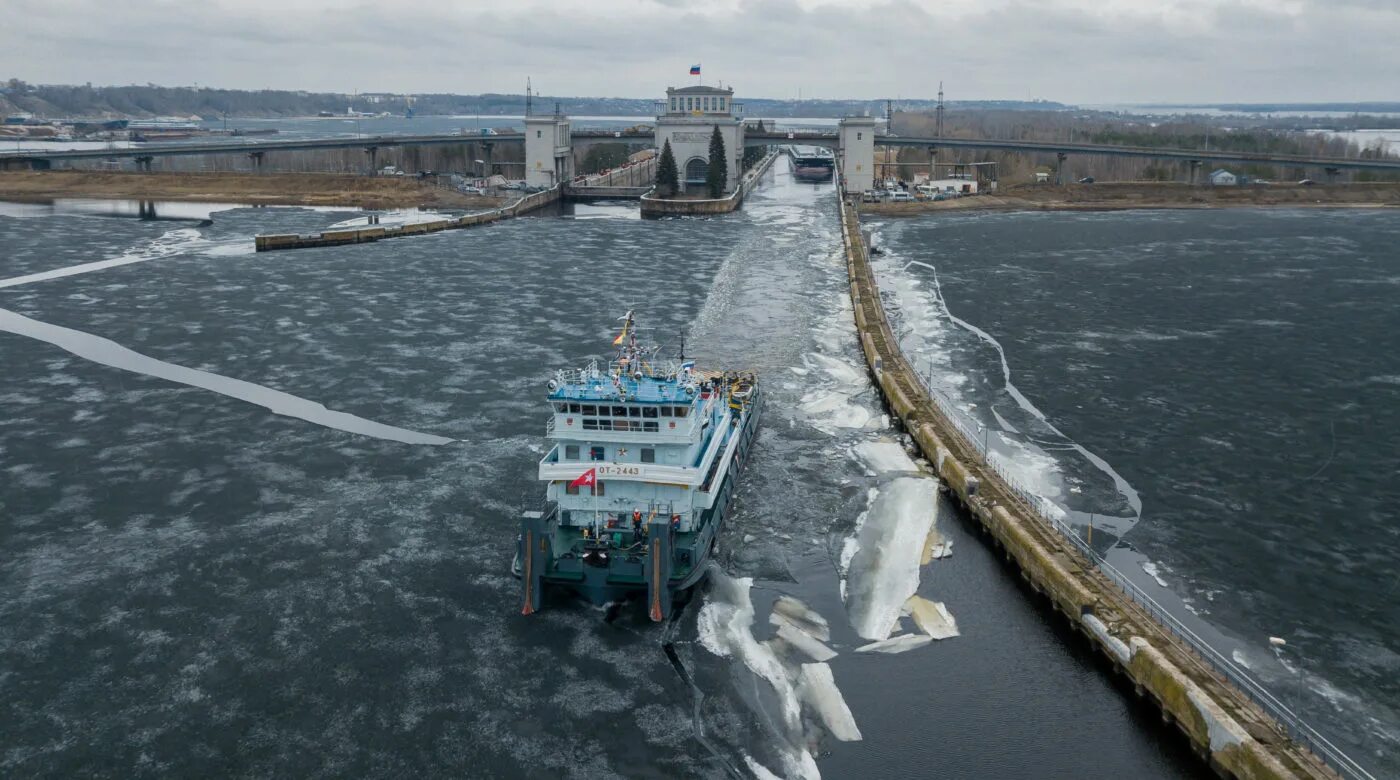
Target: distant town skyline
(1073,51)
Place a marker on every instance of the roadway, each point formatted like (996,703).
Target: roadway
(828,140)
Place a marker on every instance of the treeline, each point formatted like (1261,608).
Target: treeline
(58,101)
(1095,128)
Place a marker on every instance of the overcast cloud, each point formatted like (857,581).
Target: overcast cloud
(1080,51)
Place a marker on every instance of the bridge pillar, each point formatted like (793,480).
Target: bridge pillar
(549,150)
(932,163)
(855,138)
(373,152)
(257,158)
(1060,158)
(1332,174)
(1195,177)
(143,163)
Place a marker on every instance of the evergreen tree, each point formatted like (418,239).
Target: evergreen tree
(718,172)
(668,180)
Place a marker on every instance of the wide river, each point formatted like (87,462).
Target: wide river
(257,510)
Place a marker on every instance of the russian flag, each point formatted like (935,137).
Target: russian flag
(695,70)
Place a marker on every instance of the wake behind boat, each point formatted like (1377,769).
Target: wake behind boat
(639,479)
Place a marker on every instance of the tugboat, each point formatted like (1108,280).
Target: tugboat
(646,452)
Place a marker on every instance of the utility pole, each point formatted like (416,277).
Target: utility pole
(938,113)
(529,98)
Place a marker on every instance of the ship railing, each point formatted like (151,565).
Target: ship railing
(1207,657)
(549,426)
(664,367)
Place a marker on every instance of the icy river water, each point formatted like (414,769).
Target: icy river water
(257,510)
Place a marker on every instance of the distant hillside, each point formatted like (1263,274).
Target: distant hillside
(54,101)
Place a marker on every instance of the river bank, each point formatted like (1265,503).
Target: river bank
(280,189)
(1139,195)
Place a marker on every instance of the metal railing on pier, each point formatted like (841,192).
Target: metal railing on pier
(975,436)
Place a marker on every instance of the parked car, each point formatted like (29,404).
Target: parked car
(1087,180)
(472,191)
(870,196)
(900,196)
(514,185)
(1307,182)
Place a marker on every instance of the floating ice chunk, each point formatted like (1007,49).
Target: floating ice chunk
(1154,572)
(884,569)
(798,371)
(818,689)
(760,772)
(884,457)
(933,544)
(803,641)
(896,644)
(837,369)
(932,618)
(725,626)
(803,617)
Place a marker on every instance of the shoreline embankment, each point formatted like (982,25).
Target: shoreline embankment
(1118,196)
(1237,727)
(270,189)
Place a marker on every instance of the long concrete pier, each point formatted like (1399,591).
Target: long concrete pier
(372,233)
(1234,724)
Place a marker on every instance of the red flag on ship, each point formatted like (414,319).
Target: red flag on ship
(587,479)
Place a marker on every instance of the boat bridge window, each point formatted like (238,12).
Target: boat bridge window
(682,411)
(561,407)
(574,408)
(649,411)
(589,409)
(595,453)
(648,455)
(570,452)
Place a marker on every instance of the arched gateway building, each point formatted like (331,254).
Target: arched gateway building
(690,116)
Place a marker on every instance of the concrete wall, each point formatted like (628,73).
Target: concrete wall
(856,153)
(690,138)
(549,154)
(365,235)
(655,207)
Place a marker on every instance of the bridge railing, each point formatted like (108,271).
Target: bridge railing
(975,435)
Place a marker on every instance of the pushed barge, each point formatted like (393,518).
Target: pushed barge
(645,455)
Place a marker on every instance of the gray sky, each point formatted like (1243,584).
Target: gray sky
(1081,51)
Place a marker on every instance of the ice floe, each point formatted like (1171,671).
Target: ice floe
(883,570)
(801,640)
(725,626)
(896,644)
(818,690)
(932,618)
(802,616)
(885,457)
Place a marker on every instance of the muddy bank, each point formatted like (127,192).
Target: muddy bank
(284,189)
(1114,196)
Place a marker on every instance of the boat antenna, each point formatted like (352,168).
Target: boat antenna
(682,355)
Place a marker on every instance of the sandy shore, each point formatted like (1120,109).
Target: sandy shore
(1116,196)
(287,189)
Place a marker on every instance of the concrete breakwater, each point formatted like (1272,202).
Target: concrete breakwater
(1232,723)
(657,207)
(364,235)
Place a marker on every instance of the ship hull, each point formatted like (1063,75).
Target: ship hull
(812,172)
(687,554)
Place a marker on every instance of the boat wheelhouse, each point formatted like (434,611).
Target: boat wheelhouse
(638,478)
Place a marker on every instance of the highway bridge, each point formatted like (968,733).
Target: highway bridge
(255,149)
(829,140)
